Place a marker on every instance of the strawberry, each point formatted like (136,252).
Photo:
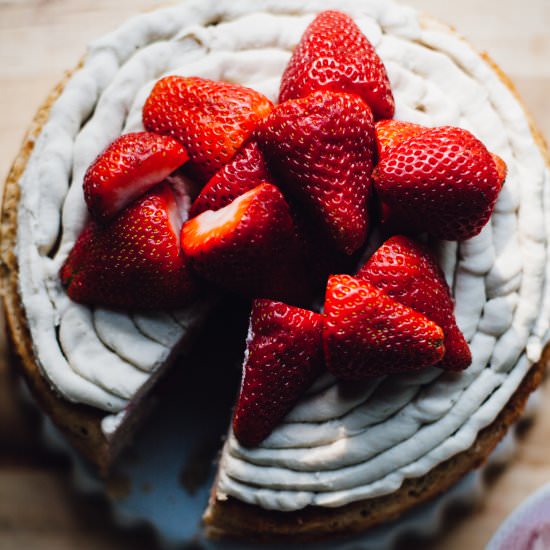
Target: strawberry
(321,149)
(442,181)
(211,119)
(335,55)
(283,357)
(246,170)
(392,132)
(249,246)
(408,273)
(321,256)
(134,261)
(367,334)
(501,167)
(389,133)
(128,168)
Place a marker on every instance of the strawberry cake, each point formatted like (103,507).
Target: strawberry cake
(354,171)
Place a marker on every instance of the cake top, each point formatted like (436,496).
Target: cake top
(494,282)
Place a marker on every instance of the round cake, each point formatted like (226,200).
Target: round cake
(348,456)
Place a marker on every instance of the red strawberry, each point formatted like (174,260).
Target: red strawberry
(442,181)
(283,357)
(501,167)
(388,134)
(335,55)
(245,171)
(211,119)
(135,261)
(129,167)
(392,132)
(367,334)
(321,148)
(408,273)
(248,246)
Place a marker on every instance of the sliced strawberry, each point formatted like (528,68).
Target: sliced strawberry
(135,261)
(442,181)
(367,334)
(211,119)
(321,149)
(246,170)
(392,132)
(128,168)
(283,357)
(408,273)
(249,246)
(334,54)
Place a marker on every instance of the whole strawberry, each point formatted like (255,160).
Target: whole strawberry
(134,261)
(321,149)
(211,119)
(408,273)
(129,167)
(442,181)
(334,54)
(246,170)
(283,357)
(367,334)
(249,247)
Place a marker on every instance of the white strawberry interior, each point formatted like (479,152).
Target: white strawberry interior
(216,220)
(177,216)
(124,195)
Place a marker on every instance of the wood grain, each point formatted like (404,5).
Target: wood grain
(39,40)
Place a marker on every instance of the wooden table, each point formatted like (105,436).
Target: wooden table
(39,39)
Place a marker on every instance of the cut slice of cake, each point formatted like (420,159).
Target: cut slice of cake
(348,455)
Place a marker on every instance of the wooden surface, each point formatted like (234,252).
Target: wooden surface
(39,39)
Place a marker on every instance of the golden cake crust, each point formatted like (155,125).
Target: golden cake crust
(232,518)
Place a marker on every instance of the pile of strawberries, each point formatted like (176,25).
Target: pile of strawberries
(227,191)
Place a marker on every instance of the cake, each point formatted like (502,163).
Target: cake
(345,458)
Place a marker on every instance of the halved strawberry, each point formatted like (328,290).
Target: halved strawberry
(442,181)
(408,273)
(367,334)
(321,149)
(283,357)
(334,54)
(127,168)
(211,119)
(246,170)
(249,246)
(134,261)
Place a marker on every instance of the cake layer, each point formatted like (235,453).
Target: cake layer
(339,444)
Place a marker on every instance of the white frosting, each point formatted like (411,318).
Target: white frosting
(340,443)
